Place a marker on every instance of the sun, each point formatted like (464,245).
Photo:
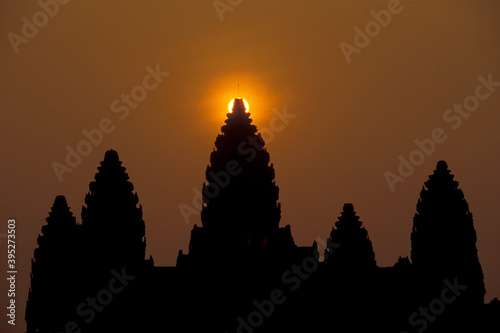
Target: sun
(230,106)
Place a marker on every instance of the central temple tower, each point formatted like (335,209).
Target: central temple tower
(240,195)
(241,213)
(240,251)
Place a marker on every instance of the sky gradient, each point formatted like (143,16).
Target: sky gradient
(350,116)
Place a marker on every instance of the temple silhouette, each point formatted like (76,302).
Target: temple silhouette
(243,271)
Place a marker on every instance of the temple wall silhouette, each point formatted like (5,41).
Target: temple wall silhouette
(243,271)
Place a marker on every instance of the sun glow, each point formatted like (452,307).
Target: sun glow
(230,106)
(257,92)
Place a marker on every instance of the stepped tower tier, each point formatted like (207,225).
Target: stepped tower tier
(240,195)
(443,238)
(112,221)
(355,248)
(54,271)
(241,214)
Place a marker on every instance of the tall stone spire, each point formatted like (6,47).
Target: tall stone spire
(355,249)
(240,247)
(240,195)
(443,238)
(112,222)
(53,272)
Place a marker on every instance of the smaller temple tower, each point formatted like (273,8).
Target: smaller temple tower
(355,251)
(52,296)
(112,222)
(241,213)
(443,239)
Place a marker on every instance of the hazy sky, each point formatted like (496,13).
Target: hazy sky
(355,110)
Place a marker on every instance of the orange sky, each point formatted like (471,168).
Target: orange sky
(352,118)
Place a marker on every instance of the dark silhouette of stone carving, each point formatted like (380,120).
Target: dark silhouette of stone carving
(243,272)
(240,196)
(444,243)
(443,235)
(240,242)
(114,243)
(356,252)
(54,277)
(112,222)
